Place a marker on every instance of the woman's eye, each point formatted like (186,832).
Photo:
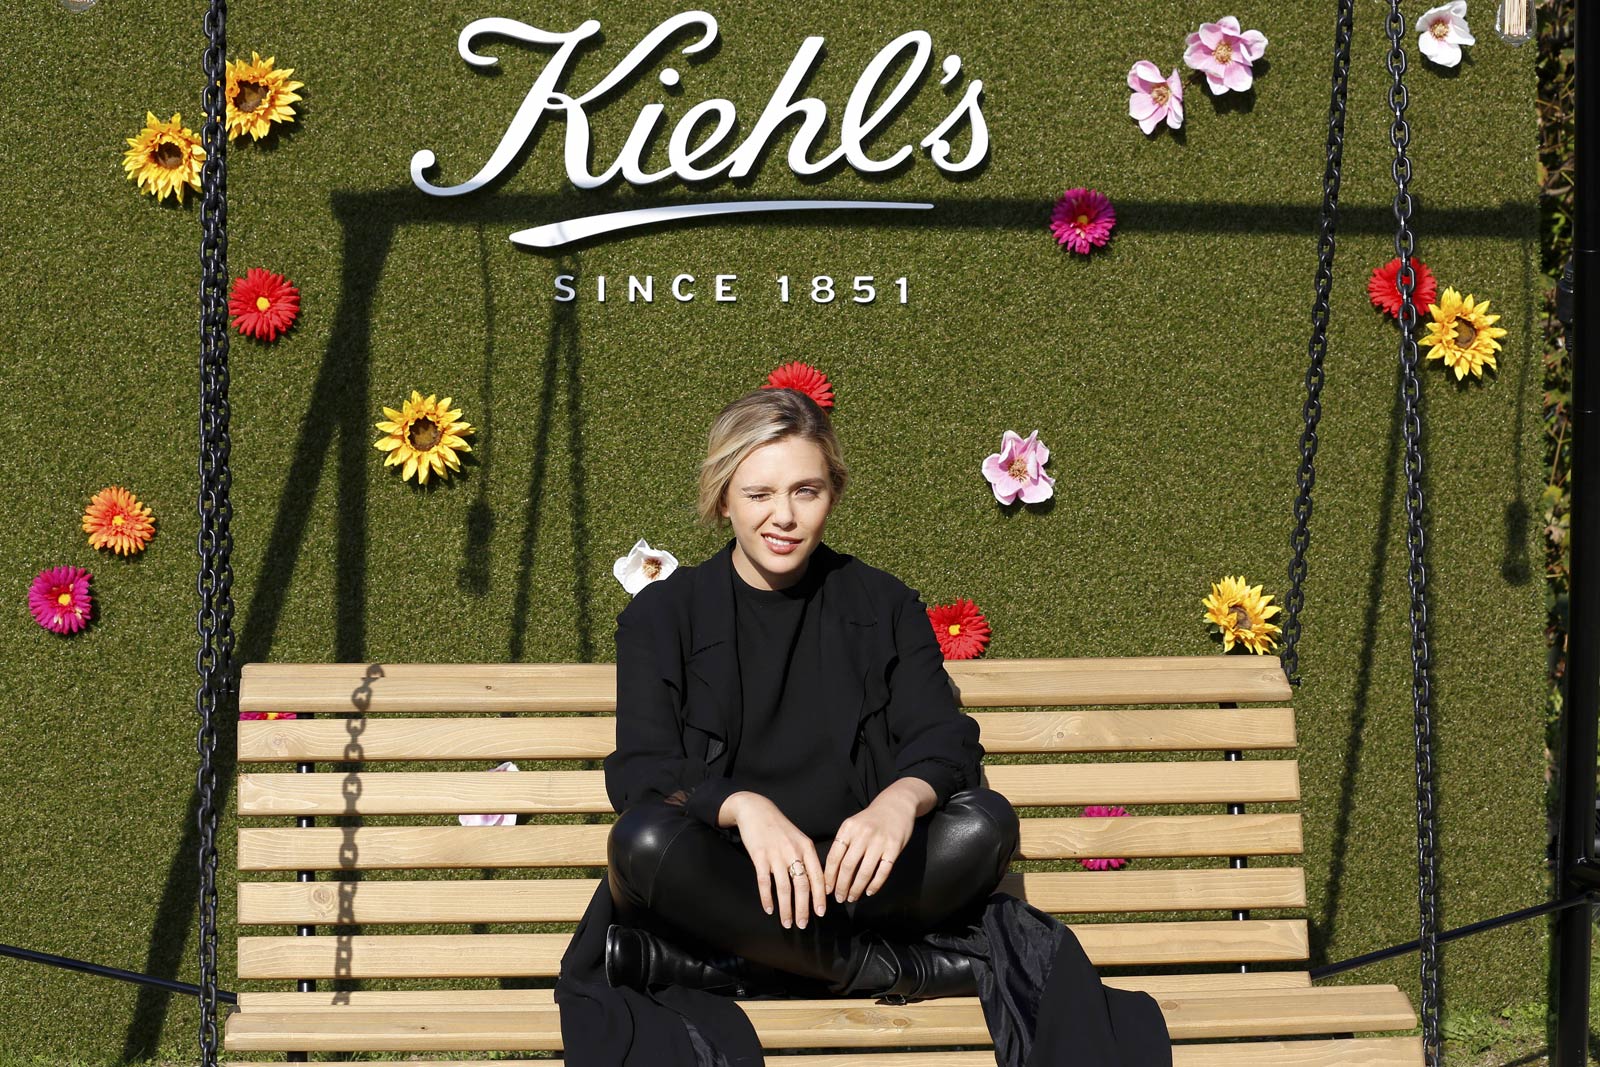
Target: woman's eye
(756,496)
(807,491)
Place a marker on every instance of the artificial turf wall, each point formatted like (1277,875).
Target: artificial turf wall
(1164,372)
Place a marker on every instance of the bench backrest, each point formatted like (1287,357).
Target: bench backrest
(1090,736)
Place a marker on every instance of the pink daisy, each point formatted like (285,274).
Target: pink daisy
(1082,220)
(1101,811)
(59,599)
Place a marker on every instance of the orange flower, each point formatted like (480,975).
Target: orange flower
(116,520)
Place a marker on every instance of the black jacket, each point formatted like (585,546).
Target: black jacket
(890,708)
(894,714)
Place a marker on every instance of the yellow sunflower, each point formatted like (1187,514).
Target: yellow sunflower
(258,96)
(423,436)
(1463,334)
(1240,611)
(165,157)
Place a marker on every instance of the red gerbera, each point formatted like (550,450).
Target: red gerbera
(1101,811)
(804,377)
(1384,289)
(263,304)
(961,629)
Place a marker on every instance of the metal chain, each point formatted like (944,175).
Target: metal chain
(1300,540)
(1417,573)
(215,699)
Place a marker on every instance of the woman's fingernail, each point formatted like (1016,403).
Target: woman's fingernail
(786,924)
(802,925)
(769,911)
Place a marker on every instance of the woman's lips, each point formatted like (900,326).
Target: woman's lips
(779,546)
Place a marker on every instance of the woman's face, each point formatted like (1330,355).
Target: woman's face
(778,503)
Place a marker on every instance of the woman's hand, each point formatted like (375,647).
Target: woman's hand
(867,843)
(774,844)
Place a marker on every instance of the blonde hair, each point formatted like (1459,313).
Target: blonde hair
(759,418)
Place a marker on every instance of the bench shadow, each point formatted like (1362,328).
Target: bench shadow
(340,406)
(473,576)
(1323,929)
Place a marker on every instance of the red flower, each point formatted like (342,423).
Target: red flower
(961,629)
(1098,811)
(804,377)
(263,304)
(1384,289)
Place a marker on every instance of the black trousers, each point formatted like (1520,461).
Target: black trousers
(695,885)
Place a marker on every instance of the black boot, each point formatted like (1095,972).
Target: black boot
(900,972)
(641,960)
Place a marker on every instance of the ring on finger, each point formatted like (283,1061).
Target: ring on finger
(797,869)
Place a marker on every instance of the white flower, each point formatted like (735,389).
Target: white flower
(1442,31)
(491,820)
(643,565)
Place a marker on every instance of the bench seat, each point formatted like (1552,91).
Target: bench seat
(1091,721)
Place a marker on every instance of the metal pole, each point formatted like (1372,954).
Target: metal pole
(70,964)
(1576,843)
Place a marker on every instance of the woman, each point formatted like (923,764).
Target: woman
(801,798)
(801,808)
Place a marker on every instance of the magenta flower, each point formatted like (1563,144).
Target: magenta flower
(1098,811)
(59,599)
(1225,54)
(492,820)
(1018,469)
(1082,219)
(1154,98)
(268,715)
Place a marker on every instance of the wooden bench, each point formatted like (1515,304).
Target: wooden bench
(1182,933)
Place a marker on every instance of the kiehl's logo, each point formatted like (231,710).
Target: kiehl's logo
(712,156)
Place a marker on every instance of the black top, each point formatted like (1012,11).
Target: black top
(785,756)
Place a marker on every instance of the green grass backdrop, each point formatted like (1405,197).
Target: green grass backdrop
(1164,372)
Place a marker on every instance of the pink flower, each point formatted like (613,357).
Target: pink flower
(491,820)
(1082,219)
(1442,31)
(1225,54)
(59,599)
(1154,98)
(1018,469)
(1098,811)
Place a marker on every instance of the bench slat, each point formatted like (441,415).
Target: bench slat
(594,736)
(493,688)
(564,900)
(539,955)
(1134,680)
(1356,1052)
(812,1023)
(522,999)
(550,792)
(322,848)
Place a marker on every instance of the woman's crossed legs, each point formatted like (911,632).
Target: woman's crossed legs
(675,876)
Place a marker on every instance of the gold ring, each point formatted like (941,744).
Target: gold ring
(797,869)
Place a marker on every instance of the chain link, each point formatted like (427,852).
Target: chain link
(1306,478)
(216,697)
(1417,572)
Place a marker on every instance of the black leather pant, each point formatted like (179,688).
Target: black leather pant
(695,885)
